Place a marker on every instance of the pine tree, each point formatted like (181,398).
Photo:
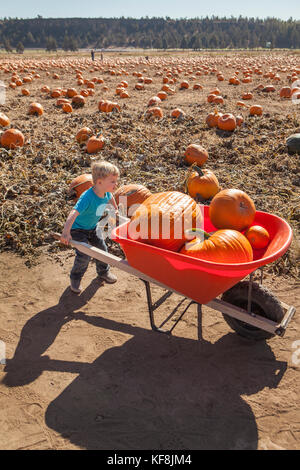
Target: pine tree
(20,48)
(51,44)
(7,45)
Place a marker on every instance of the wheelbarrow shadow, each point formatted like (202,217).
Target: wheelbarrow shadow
(159,392)
(152,392)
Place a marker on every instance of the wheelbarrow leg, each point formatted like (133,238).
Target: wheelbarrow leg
(199,313)
(153,306)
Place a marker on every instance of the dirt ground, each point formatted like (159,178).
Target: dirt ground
(87,372)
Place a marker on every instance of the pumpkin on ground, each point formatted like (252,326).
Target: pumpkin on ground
(195,153)
(177,113)
(212,118)
(155,111)
(36,109)
(162,219)
(223,246)
(232,209)
(78,101)
(131,195)
(153,101)
(202,183)
(95,144)
(67,108)
(256,110)
(80,184)
(83,134)
(227,122)
(12,138)
(4,120)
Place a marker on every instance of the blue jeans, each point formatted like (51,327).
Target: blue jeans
(82,260)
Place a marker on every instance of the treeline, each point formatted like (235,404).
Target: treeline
(157,33)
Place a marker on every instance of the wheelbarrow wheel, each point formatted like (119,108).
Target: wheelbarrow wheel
(263,303)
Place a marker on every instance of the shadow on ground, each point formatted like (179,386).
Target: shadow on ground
(152,392)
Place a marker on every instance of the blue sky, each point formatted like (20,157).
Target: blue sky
(159,8)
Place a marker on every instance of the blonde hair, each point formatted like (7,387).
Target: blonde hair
(101,170)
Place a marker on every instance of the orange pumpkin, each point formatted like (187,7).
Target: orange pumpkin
(256,110)
(56,93)
(269,89)
(67,108)
(155,111)
(80,184)
(227,122)
(153,101)
(202,182)
(211,97)
(223,246)
(257,236)
(4,120)
(162,95)
(285,92)
(233,209)
(195,153)
(78,101)
(176,113)
(12,138)
(162,218)
(83,134)
(61,101)
(239,120)
(45,89)
(36,109)
(25,92)
(95,144)
(71,92)
(184,85)
(247,96)
(129,195)
(212,118)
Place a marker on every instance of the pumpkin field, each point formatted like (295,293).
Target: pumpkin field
(226,116)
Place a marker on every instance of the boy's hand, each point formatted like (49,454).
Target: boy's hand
(65,238)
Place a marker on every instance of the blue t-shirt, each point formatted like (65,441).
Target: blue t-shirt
(90,208)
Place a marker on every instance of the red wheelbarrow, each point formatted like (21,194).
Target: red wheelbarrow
(249,308)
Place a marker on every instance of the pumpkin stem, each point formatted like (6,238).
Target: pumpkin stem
(198,169)
(192,168)
(192,233)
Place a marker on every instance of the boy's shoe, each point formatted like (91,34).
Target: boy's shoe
(75,286)
(108,277)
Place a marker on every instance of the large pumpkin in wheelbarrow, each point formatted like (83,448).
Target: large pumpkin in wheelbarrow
(162,219)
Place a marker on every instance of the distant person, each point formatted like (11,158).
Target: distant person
(147,58)
(101,57)
(93,54)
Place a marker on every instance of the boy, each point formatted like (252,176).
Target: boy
(82,221)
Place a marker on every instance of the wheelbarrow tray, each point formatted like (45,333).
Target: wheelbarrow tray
(198,279)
